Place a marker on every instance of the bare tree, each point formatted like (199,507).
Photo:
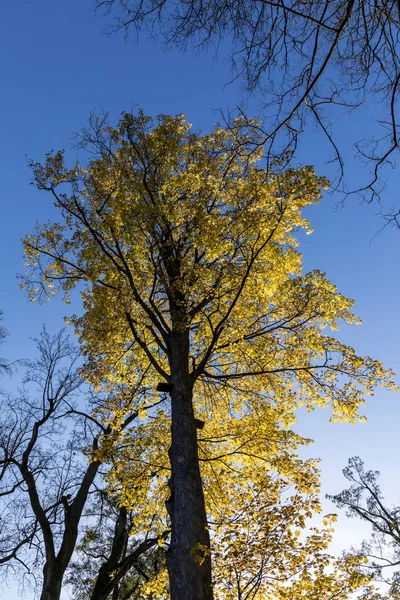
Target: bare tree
(306,57)
(110,561)
(364,499)
(49,472)
(4,366)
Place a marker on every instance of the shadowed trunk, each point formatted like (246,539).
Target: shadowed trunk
(188,558)
(56,565)
(52,583)
(119,562)
(104,583)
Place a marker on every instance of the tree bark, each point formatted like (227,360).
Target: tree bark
(52,584)
(55,567)
(188,558)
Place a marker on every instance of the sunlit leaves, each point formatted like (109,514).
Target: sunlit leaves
(167,230)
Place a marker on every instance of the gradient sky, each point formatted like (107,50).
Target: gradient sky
(56,67)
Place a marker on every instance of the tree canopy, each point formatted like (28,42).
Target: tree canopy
(185,252)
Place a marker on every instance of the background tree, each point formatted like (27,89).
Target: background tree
(4,366)
(305,57)
(49,471)
(187,254)
(112,563)
(364,499)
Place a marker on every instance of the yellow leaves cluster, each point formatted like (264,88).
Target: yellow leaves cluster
(155,588)
(170,216)
(260,499)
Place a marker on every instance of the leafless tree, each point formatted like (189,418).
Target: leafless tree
(364,499)
(306,57)
(4,366)
(50,474)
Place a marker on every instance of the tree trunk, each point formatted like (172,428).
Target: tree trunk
(55,567)
(52,583)
(188,558)
(52,591)
(105,582)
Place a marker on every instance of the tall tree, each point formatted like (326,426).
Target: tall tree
(306,58)
(186,250)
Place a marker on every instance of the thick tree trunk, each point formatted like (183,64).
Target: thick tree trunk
(51,592)
(52,584)
(188,558)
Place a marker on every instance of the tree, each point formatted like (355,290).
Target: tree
(186,252)
(109,561)
(4,366)
(46,483)
(306,57)
(364,500)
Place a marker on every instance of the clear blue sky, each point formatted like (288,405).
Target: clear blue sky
(56,67)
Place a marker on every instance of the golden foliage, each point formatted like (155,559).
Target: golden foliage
(168,230)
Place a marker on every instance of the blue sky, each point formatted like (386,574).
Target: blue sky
(56,67)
